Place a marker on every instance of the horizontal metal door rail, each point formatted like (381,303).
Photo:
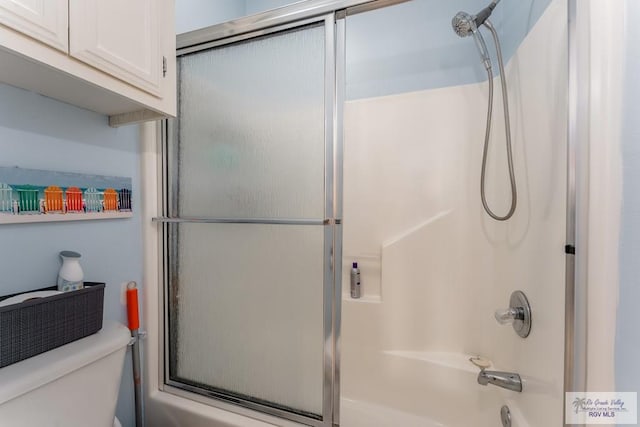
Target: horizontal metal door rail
(277,221)
(294,12)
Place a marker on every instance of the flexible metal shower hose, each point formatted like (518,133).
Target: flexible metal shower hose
(507,127)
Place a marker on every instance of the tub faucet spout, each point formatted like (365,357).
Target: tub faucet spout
(508,380)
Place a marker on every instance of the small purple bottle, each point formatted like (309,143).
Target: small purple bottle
(355,281)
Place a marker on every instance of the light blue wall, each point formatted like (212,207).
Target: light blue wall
(411,46)
(403,48)
(195,14)
(628,330)
(257,6)
(38,132)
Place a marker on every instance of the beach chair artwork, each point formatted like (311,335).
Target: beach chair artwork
(41,192)
(6,198)
(53,200)
(93,200)
(74,200)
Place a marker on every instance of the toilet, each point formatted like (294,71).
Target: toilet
(75,385)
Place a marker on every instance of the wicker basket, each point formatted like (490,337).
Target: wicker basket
(42,324)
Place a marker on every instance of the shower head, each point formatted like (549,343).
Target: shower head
(465,25)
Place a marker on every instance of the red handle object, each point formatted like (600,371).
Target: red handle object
(134,324)
(132,306)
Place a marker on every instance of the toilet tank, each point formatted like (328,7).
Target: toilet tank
(75,385)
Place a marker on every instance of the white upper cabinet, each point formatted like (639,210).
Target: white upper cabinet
(44,20)
(119,37)
(115,57)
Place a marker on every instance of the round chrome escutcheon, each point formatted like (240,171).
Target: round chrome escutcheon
(522,325)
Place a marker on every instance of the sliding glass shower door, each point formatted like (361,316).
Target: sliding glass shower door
(250,224)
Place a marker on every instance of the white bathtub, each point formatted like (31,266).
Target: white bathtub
(422,389)
(357,413)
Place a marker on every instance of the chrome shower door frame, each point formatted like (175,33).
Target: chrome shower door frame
(331,222)
(575,328)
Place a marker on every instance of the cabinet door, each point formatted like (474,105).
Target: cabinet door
(119,37)
(44,20)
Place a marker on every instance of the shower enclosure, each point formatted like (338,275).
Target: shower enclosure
(253,220)
(281,170)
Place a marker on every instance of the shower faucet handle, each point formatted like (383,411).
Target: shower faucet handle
(505,317)
(518,314)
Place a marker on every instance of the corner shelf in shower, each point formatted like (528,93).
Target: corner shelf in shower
(367,299)
(28,219)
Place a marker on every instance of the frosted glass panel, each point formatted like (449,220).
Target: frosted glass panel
(251,129)
(246,312)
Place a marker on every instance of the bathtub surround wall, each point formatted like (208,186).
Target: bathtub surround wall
(435,266)
(41,133)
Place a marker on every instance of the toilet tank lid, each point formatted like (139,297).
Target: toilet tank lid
(29,374)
